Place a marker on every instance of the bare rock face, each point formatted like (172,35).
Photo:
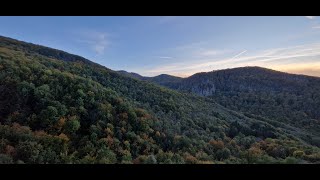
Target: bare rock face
(205,88)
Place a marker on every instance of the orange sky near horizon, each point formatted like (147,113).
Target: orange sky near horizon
(311,69)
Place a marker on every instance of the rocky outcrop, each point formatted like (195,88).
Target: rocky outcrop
(205,88)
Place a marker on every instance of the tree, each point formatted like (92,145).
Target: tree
(216,144)
(26,90)
(72,125)
(42,92)
(298,154)
(5,159)
(48,116)
(223,154)
(177,159)
(291,160)
(126,157)
(106,156)
(151,160)
(254,154)
(29,152)
(189,159)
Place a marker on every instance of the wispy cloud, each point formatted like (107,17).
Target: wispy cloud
(191,46)
(97,41)
(310,17)
(201,49)
(316,27)
(165,57)
(239,54)
(273,58)
(208,52)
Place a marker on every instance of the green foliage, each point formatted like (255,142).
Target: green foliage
(223,154)
(291,160)
(150,160)
(280,99)
(5,159)
(298,154)
(60,108)
(72,126)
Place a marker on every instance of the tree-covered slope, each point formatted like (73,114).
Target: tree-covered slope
(162,79)
(59,108)
(131,74)
(289,98)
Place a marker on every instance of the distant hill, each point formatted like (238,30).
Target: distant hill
(56,108)
(289,98)
(162,79)
(131,74)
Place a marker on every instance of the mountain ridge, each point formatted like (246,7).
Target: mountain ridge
(260,91)
(227,69)
(72,111)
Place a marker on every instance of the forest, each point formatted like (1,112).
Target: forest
(259,92)
(59,108)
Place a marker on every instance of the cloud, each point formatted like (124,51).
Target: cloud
(273,58)
(165,57)
(239,54)
(316,27)
(210,52)
(191,46)
(310,17)
(97,41)
(199,49)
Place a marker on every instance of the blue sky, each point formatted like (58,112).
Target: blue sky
(178,46)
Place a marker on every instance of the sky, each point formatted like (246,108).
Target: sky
(178,45)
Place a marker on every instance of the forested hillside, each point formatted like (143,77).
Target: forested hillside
(289,98)
(56,107)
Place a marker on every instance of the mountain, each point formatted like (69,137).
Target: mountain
(165,80)
(255,91)
(56,107)
(131,74)
(162,79)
